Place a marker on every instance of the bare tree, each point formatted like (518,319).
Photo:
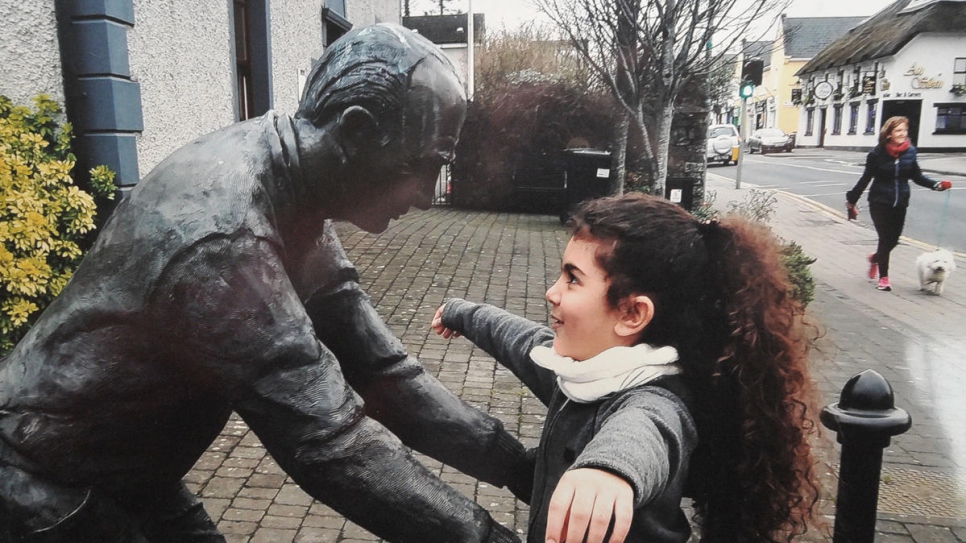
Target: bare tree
(723,83)
(431,7)
(645,50)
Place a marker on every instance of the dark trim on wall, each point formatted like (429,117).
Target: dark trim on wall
(261,53)
(103,103)
(257,44)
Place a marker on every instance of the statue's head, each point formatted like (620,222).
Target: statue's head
(395,105)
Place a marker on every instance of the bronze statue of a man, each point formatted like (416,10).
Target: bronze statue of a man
(219,285)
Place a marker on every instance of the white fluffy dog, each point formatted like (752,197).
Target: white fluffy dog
(934,268)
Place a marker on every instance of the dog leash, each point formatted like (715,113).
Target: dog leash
(942,220)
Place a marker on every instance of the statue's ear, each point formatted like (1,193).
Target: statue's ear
(359,131)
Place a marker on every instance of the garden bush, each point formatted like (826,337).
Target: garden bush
(759,206)
(45,218)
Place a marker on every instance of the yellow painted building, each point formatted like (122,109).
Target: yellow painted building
(797,40)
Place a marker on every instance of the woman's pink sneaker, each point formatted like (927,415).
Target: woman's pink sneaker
(884,284)
(873,267)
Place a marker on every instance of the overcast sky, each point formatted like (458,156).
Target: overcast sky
(512,13)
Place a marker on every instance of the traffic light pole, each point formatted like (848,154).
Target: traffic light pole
(744,137)
(750,78)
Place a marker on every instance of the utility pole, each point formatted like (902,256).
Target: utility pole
(750,77)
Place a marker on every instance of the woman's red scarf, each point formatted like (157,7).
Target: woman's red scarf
(896,149)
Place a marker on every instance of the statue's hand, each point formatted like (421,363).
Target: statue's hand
(438,327)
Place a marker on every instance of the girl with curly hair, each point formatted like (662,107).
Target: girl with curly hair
(676,366)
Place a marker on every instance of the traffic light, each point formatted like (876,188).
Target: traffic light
(746,89)
(751,71)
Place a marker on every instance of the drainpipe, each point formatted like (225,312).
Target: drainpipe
(103,102)
(470,52)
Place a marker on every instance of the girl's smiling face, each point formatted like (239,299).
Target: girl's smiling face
(584,322)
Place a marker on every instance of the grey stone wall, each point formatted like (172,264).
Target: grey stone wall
(296,43)
(29,51)
(367,12)
(181,54)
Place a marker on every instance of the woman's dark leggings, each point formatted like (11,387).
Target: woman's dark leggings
(888,223)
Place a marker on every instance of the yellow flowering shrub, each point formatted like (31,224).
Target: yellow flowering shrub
(44,217)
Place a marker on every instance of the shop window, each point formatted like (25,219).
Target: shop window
(837,119)
(870,127)
(950,119)
(853,118)
(334,22)
(959,71)
(809,121)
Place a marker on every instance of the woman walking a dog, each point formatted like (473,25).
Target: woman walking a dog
(889,166)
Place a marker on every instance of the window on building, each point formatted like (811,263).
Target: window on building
(334,22)
(950,119)
(959,71)
(252,63)
(870,127)
(243,65)
(837,119)
(809,120)
(853,118)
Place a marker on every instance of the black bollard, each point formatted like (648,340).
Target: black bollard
(865,419)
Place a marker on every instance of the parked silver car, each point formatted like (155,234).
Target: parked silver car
(765,140)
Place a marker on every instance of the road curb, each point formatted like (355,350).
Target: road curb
(841,218)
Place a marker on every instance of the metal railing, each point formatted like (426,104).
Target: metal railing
(444,187)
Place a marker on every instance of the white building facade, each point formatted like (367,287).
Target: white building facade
(919,72)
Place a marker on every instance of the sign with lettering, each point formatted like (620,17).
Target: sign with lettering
(920,80)
(868,84)
(823,90)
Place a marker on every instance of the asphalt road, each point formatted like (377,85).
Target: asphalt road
(934,218)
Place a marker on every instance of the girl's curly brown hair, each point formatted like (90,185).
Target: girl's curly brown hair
(722,299)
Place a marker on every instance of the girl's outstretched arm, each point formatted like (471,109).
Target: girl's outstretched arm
(504,336)
(585,503)
(440,328)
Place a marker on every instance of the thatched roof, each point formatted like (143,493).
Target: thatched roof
(887,32)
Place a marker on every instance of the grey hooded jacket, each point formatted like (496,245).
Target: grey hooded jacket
(644,434)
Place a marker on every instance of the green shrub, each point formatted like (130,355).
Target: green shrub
(759,206)
(797,263)
(44,216)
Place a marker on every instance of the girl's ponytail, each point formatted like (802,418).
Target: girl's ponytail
(722,299)
(753,472)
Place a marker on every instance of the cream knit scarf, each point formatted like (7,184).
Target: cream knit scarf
(613,370)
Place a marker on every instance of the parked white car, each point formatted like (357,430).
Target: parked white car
(724,143)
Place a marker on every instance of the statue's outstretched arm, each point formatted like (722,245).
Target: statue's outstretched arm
(249,332)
